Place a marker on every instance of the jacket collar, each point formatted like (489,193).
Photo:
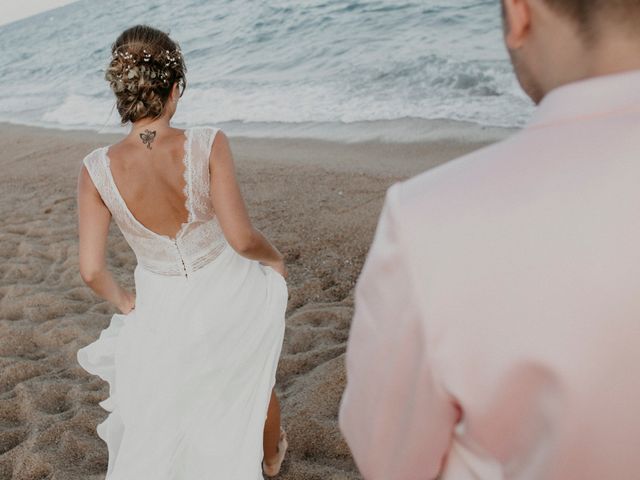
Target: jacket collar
(590,98)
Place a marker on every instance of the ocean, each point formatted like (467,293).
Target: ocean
(321,68)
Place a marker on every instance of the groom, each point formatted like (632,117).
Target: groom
(497,320)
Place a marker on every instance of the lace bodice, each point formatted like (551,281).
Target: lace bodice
(198,241)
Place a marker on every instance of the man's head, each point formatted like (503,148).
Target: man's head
(554,42)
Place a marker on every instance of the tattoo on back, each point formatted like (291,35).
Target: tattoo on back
(147,137)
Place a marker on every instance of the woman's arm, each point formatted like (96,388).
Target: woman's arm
(93,226)
(231,210)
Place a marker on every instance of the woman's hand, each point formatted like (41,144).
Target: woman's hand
(127,302)
(279,267)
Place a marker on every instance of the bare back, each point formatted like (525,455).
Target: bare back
(148,199)
(151,180)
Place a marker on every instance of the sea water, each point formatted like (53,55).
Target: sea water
(328,68)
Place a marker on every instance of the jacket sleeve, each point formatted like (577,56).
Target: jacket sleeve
(394,416)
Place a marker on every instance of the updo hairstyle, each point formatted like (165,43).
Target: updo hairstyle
(145,65)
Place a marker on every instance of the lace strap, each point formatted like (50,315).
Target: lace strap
(198,178)
(188,176)
(94,162)
(212,135)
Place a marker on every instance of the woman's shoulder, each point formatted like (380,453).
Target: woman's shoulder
(205,129)
(208,127)
(95,167)
(91,158)
(204,135)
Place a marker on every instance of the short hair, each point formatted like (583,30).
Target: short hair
(589,13)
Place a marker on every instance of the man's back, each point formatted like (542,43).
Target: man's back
(521,299)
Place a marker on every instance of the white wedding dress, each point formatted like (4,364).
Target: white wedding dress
(191,368)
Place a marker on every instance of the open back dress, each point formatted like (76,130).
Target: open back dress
(191,368)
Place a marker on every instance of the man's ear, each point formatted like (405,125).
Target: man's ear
(518,21)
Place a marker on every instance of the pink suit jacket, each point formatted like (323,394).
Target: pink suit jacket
(497,320)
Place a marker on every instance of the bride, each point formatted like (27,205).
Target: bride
(191,359)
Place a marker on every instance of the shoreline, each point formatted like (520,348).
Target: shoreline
(378,157)
(395,131)
(317,200)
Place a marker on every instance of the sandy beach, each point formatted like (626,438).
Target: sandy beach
(318,201)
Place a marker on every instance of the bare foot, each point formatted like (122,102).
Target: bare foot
(271,466)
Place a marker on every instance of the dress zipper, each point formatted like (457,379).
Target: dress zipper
(181,259)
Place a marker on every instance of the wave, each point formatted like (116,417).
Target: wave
(326,62)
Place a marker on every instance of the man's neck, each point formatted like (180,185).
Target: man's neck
(619,53)
(616,55)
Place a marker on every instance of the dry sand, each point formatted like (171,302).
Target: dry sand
(318,201)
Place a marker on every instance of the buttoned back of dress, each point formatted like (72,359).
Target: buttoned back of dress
(199,240)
